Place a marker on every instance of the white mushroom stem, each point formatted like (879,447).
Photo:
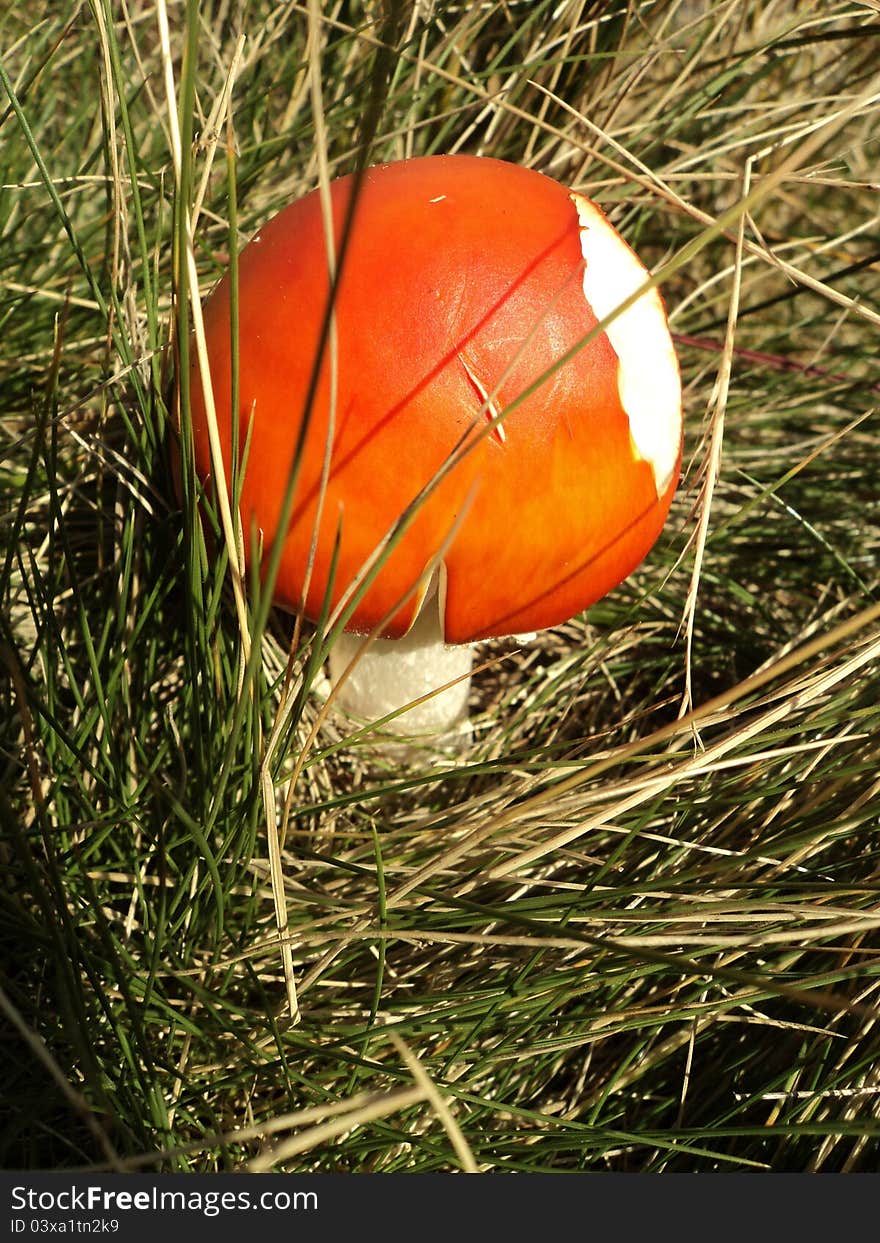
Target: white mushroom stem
(391,673)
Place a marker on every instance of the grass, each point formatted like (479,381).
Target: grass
(634,925)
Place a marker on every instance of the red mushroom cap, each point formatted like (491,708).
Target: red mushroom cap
(465,284)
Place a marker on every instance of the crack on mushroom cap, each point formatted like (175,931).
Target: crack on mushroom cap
(648,378)
(490,407)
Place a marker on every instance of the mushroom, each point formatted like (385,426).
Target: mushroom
(495,463)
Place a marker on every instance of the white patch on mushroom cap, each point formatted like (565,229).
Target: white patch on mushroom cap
(648,378)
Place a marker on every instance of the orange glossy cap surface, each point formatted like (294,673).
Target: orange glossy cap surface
(463,289)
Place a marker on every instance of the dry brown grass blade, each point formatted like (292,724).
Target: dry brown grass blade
(712,464)
(441,1107)
(381,1105)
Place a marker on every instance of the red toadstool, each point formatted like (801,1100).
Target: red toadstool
(466,290)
